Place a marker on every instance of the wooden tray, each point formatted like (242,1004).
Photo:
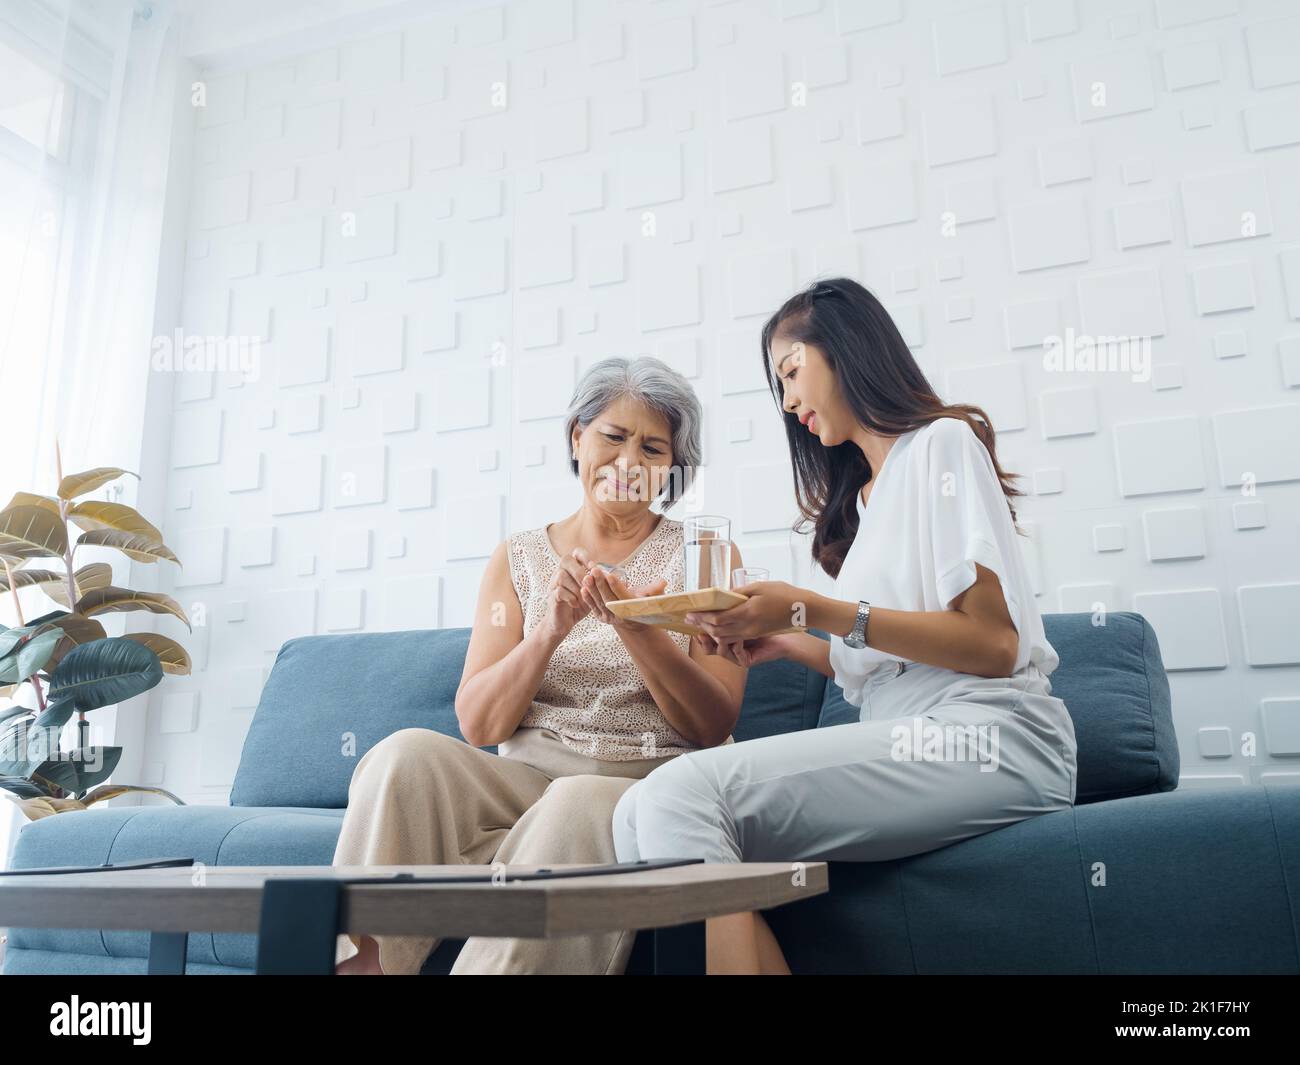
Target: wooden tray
(668,611)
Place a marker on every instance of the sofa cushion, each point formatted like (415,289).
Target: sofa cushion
(212,835)
(780,696)
(329,699)
(1112,680)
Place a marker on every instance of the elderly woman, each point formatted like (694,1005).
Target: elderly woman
(579,703)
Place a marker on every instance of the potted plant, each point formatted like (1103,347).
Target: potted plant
(65,655)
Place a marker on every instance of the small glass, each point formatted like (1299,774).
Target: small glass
(748,575)
(706,541)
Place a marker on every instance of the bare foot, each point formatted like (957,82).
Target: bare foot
(363,963)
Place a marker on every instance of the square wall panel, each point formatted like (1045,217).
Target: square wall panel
(651,174)
(959,129)
(1068,412)
(1174,534)
(196,437)
(1223,287)
(1049,233)
(999,388)
(740,157)
(970,39)
(1141,223)
(561,129)
(1272,46)
(543,386)
(374,340)
(203,556)
(669,293)
(462,397)
(883,194)
(280,614)
(1258,446)
(1233,205)
(370,233)
(972,200)
(543,250)
(255,547)
(1271,125)
(1063,161)
(1117,82)
(1269,629)
(473,526)
(1189,627)
(352,548)
(360,476)
(1163,455)
(1122,303)
(765,504)
(1030,322)
(344,609)
(759,283)
(295,246)
(301,354)
(479,267)
(296,483)
(413,602)
(1281,720)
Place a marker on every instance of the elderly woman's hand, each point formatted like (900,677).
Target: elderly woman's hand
(600,586)
(768,606)
(565,606)
(745,652)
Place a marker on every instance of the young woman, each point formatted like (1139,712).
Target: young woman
(935,635)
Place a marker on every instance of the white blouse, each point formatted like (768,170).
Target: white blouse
(936,509)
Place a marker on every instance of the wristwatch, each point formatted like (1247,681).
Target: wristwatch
(858,636)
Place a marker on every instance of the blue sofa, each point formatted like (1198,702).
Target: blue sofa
(1136,878)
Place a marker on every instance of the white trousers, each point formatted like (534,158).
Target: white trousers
(935,757)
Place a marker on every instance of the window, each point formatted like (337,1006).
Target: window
(47,147)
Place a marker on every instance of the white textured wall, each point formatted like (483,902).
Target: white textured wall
(662,175)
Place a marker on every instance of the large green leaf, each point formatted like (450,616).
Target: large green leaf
(23,748)
(58,771)
(14,711)
(104,758)
(29,657)
(11,638)
(22,787)
(104,672)
(56,713)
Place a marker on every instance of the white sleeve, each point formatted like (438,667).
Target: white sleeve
(967,508)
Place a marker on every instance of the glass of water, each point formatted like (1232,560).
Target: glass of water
(748,575)
(706,539)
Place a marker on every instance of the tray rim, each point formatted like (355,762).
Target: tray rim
(665,597)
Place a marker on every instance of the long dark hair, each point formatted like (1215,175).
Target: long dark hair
(882,385)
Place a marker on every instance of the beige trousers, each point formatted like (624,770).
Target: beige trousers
(419,797)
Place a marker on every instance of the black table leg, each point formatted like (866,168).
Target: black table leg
(299,926)
(679,950)
(167,953)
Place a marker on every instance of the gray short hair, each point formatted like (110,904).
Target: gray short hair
(659,387)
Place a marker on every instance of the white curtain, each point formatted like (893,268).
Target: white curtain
(87,94)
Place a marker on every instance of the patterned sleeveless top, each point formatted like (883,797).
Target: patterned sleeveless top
(592,693)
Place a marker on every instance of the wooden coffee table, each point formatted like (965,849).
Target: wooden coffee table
(298,911)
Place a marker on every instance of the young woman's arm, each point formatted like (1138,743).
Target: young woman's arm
(976,636)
